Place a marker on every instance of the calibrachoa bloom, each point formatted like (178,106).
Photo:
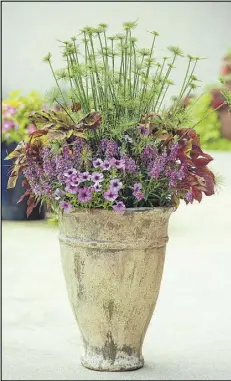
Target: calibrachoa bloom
(115,185)
(85,176)
(70,172)
(97,163)
(97,177)
(97,187)
(116,163)
(74,180)
(119,207)
(106,165)
(84,194)
(110,195)
(66,206)
(71,188)
(137,187)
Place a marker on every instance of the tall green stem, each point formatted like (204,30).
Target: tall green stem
(164,81)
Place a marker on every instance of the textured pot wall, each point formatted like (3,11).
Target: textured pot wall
(113,266)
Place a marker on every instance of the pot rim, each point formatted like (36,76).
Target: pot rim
(125,212)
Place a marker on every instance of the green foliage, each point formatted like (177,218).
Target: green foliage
(208,128)
(115,77)
(23,106)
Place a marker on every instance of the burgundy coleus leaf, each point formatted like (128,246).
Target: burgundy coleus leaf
(188,133)
(197,194)
(209,179)
(199,158)
(25,184)
(31,204)
(27,193)
(184,151)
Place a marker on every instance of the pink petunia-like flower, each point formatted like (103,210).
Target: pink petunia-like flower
(97,187)
(119,164)
(74,180)
(97,177)
(85,194)
(137,187)
(97,163)
(110,195)
(85,176)
(106,165)
(116,185)
(8,125)
(73,189)
(70,172)
(119,207)
(66,206)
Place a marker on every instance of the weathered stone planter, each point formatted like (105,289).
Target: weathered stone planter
(113,266)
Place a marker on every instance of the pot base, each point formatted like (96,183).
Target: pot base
(121,364)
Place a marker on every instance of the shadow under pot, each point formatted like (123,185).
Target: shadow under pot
(10,209)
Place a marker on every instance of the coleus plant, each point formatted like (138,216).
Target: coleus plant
(114,144)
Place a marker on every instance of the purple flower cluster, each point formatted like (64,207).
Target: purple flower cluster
(158,166)
(74,179)
(149,154)
(129,164)
(77,173)
(49,164)
(109,148)
(176,174)
(173,152)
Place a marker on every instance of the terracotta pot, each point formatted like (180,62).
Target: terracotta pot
(113,266)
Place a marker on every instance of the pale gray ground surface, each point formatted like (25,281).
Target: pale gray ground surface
(190,334)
